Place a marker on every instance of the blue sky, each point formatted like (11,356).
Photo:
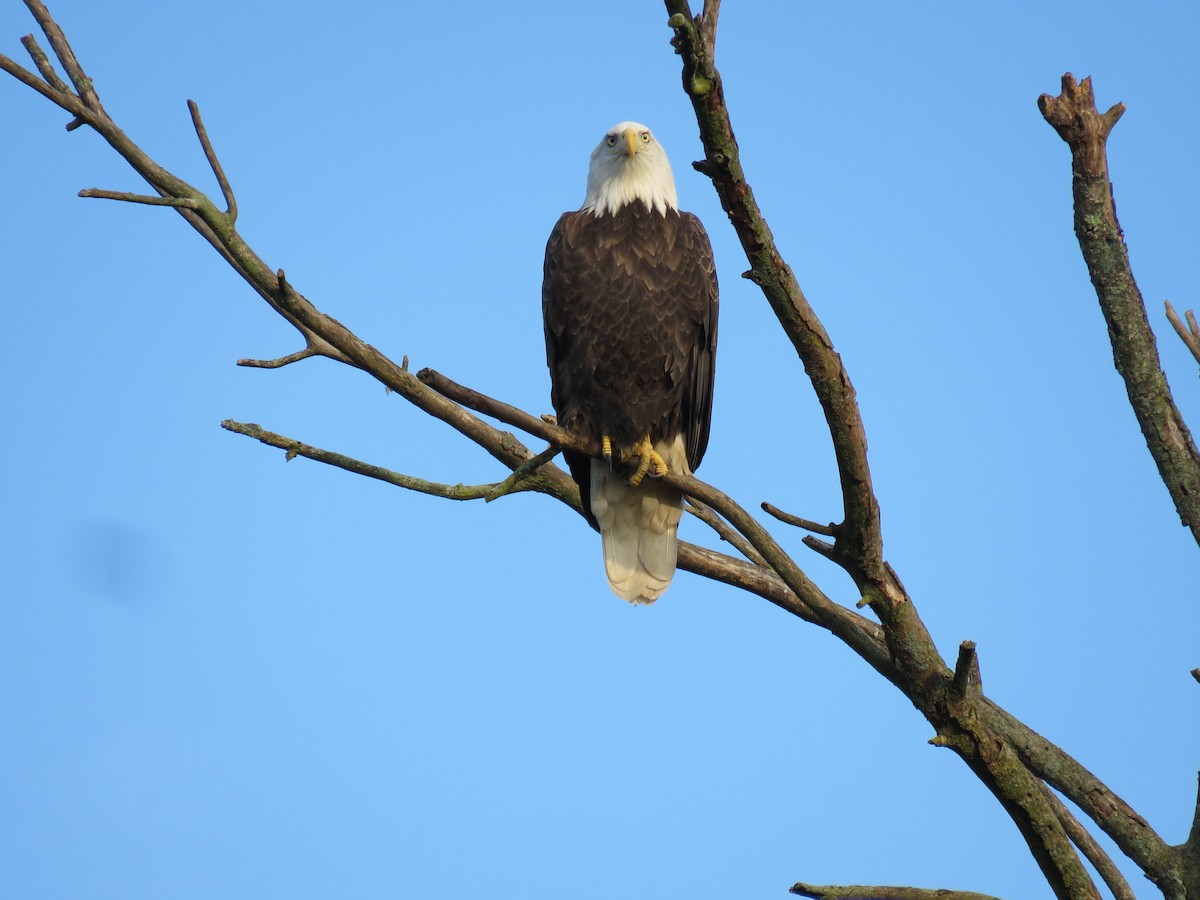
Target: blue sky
(227,676)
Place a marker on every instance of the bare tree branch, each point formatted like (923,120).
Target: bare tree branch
(281,361)
(1074,116)
(787,518)
(296,448)
(213,162)
(1092,851)
(724,532)
(1190,335)
(858,542)
(881,892)
(43,64)
(125,196)
(861,542)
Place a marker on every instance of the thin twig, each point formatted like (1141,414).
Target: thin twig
(296,448)
(710,518)
(881,892)
(1189,334)
(787,518)
(214,163)
(280,361)
(147,199)
(42,61)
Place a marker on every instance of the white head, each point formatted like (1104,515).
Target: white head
(628,165)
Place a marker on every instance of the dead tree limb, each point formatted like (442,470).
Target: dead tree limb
(1074,116)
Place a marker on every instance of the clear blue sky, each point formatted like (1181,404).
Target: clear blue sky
(227,676)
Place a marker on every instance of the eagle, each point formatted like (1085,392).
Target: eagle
(629,304)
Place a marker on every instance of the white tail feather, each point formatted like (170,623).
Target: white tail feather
(638,527)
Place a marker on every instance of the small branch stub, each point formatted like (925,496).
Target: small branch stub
(967,681)
(829,530)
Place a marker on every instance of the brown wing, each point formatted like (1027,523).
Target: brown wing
(698,283)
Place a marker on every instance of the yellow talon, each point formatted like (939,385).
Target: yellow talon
(606,448)
(648,458)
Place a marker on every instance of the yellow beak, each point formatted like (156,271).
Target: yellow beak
(631,141)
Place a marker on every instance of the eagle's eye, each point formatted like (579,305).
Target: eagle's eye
(611,140)
(645,137)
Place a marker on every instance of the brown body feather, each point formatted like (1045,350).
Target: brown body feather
(629,301)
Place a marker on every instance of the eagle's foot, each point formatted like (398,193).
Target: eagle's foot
(649,461)
(606,448)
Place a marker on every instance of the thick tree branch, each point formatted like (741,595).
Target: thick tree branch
(1092,850)
(861,542)
(1074,116)
(858,545)
(1129,830)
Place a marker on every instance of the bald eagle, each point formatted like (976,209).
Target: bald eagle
(629,303)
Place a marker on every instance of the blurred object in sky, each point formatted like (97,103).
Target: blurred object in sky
(112,560)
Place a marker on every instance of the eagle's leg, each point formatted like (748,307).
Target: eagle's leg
(606,448)
(649,461)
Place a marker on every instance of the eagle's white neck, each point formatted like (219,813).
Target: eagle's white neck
(633,167)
